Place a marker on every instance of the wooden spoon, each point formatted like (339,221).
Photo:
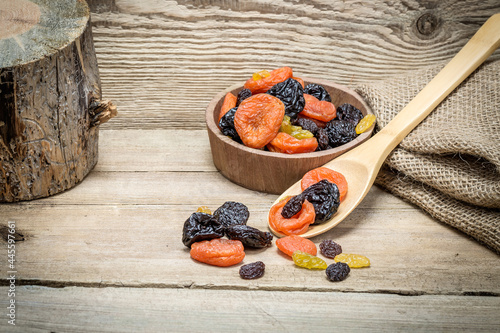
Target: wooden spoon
(361,165)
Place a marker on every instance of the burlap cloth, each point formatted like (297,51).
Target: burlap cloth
(449,165)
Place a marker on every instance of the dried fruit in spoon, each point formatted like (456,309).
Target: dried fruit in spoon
(290,244)
(285,143)
(308,261)
(320,110)
(218,252)
(315,175)
(295,225)
(260,83)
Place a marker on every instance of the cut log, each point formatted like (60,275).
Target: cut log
(50,98)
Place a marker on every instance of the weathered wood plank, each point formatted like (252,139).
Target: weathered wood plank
(73,309)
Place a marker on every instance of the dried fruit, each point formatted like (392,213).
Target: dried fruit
(201,226)
(323,139)
(251,271)
(353,260)
(349,113)
(306,124)
(228,103)
(226,125)
(320,110)
(264,83)
(242,95)
(340,132)
(260,75)
(218,252)
(308,261)
(337,271)
(315,175)
(290,244)
(329,248)
(299,80)
(295,225)
(285,143)
(204,209)
(258,119)
(249,236)
(365,123)
(231,213)
(317,91)
(291,93)
(296,131)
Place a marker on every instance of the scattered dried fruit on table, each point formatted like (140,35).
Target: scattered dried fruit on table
(290,244)
(201,226)
(317,174)
(340,132)
(349,113)
(228,103)
(317,91)
(319,110)
(365,123)
(252,271)
(285,143)
(218,252)
(291,93)
(231,213)
(295,225)
(353,260)
(329,248)
(337,271)
(260,84)
(249,236)
(308,261)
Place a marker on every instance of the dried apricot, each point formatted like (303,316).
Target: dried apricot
(292,243)
(258,119)
(228,103)
(297,224)
(261,83)
(321,110)
(218,252)
(315,175)
(299,80)
(285,143)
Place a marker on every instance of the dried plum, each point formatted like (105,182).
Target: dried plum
(293,206)
(249,236)
(251,271)
(325,198)
(306,124)
(317,91)
(231,213)
(226,125)
(291,93)
(323,139)
(329,248)
(201,226)
(243,94)
(340,132)
(337,271)
(349,113)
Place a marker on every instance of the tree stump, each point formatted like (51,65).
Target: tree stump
(50,97)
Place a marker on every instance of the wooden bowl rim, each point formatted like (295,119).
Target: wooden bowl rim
(213,127)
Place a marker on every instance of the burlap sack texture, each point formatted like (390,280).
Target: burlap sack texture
(449,165)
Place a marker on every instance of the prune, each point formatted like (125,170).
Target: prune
(242,95)
(226,125)
(308,261)
(365,123)
(329,248)
(291,93)
(323,139)
(349,113)
(251,271)
(231,213)
(201,226)
(340,132)
(296,131)
(325,198)
(337,271)
(249,236)
(293,206)
(353,260)
(317,91)
(306,124)
(218,252)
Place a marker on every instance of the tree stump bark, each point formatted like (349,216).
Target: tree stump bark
(50,97)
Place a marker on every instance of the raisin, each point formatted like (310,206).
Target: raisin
(226,125)
(242,95)
(317,91)
(323,139)
(249,236)
(201,226)
(290,244)
(293,206)
(325,198)
(285,143)
(349,113)
(204,209)
(315,175)
(320,110)
(340,132)
(308,261)
(337,271)
(365,123)
(258,119)
(228,103)
(329,248)
(260,75)
(297,224)
(296,131)
(251,271)
(306,124)
(291,93)
(231,213)
(353,260)
(262,84)
(218,252)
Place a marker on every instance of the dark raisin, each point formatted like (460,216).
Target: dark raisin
(226,125)
(251,271)
(293,206)
(325,198)
(329,248)
(337,271)
(201,226)
(306,124)
(340,132)
(291,93)
(349,113)
(249,236)
(317,91)
(243,94)
(231,213)
(323,140)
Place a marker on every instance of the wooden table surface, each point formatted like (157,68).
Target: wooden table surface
(107,256)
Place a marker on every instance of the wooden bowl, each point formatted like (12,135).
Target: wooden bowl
(267,171)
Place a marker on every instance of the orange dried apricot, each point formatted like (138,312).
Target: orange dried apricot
(315,175)
(285,143)
(299,80)
(292,243)
(218,252)
(297,224)
(228,103)
(258,119)
(264,83)
(320,110)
